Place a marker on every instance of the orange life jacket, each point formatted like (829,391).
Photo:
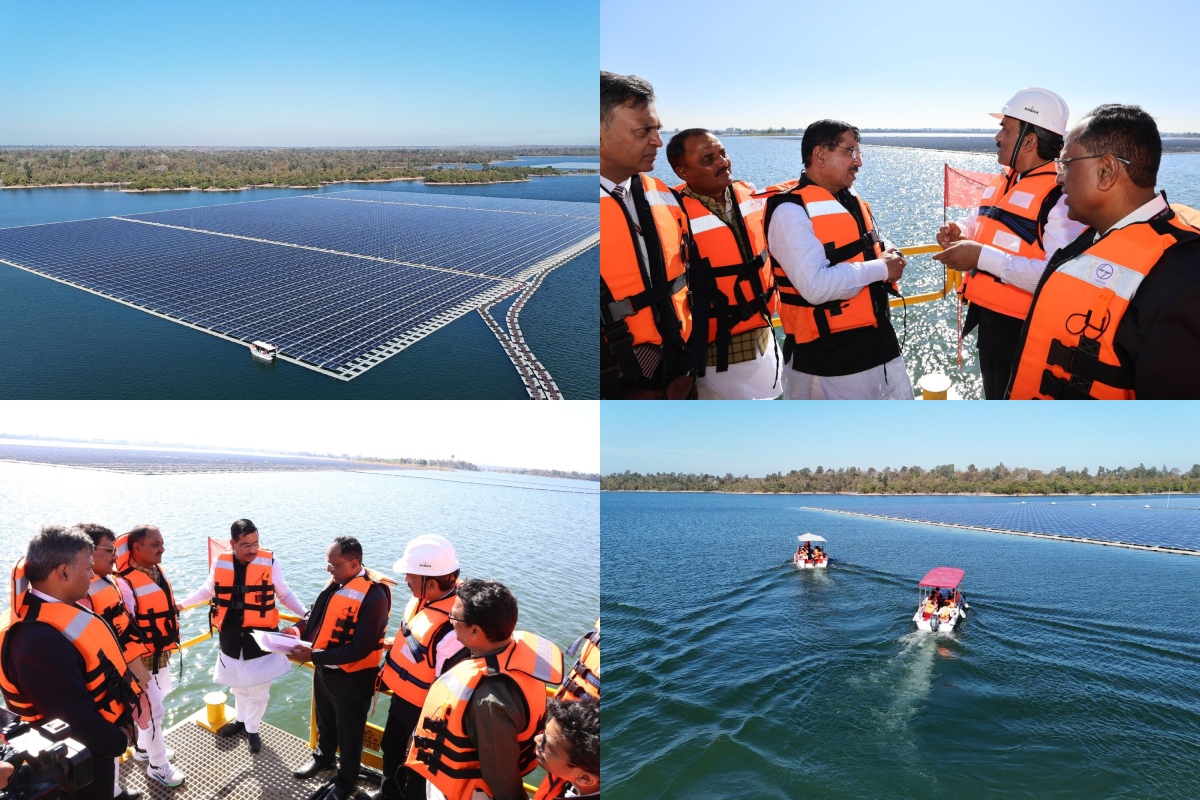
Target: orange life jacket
(584,677)
(411,665)
(441,751)
(552,788)
(257,593)
(744,298)
(341,618)
(155,613)
(1067,350)
(19,587)
(107,677)
(107,604)
(1012,218)
(632,311)
(839,232)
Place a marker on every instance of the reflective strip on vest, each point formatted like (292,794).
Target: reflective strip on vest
(223,564)
(97,586)
(820,208)
(351,594)
(77,626)
(542,669)
(456,687)
(21,586)
(1104,274)
(750,206)
(147,588)
(657,198)
(262,562)
(705,224)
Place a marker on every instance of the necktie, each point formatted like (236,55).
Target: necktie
(618,192)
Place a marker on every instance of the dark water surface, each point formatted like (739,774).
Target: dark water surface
(734,675)
(60,342)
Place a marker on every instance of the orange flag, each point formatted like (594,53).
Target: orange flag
(215,548)
(965,189)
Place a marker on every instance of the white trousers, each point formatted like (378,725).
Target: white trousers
(251,703)
(886,382)
(151,740)
(758,379)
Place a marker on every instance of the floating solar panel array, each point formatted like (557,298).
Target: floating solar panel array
(339,282)
(1124,520)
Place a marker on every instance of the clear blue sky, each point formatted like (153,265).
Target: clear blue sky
(756,438)
(878,63)
(298,73)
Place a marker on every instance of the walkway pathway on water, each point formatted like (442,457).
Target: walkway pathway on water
(1082,539)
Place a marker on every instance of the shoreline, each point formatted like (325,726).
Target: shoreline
(280,186)
(898,494)
(1179,551)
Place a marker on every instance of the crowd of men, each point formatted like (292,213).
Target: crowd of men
(94,621)
(1083,282)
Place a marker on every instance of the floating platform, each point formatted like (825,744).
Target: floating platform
(224,767)
(339,281)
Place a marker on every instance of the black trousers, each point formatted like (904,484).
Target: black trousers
(101,787)
(995,370)
(400,782)
(343,703)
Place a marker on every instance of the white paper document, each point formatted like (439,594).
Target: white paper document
(277,642)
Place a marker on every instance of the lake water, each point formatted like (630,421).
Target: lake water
(60,342)
(734,675)
(500,530)
(904,187)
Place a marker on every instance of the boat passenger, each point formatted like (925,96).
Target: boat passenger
(147,594)
(243,585)
(731,279)
(60,661)
(583,679)
(346,624)
(497,696)
(104,600)
(834,273)
(569,750)
(1003,245)
(645,314)
(1136,268)
(424,649)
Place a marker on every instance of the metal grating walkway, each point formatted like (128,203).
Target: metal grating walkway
(224,767)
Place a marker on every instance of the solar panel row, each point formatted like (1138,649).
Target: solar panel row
(1177,527)
(338,285)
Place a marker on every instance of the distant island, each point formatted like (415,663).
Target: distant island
(228,169)
(944,479)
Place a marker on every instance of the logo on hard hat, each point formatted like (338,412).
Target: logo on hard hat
(1104,271)
(424,564)
(1032,109)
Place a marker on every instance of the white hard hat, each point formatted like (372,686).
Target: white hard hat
(426,555)
(1040,107)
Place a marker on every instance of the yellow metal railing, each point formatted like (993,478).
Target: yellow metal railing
(953,281)
(373,733)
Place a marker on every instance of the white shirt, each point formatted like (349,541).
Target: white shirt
(798,251)
(282,593)
(1024,273)
(1140,214)
(45,597)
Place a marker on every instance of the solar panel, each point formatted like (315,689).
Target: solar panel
(337,282)
(1126,520)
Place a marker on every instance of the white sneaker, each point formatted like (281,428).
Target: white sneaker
(166,775)
(141,755)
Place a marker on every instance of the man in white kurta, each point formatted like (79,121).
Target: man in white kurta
(241,664)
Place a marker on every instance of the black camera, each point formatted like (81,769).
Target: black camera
(47,761)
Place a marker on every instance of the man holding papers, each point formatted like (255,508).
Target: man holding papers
(243,585)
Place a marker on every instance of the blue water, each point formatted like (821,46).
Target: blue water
(499,530)
(59,342)
(1137,519)
(905,187)
(734,675)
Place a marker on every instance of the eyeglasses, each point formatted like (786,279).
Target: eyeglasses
(1060,164)
(539,747)
(109,550)
(330,566)
(854,152)
(457,619)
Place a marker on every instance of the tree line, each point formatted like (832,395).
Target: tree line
(944,479)
(217,168)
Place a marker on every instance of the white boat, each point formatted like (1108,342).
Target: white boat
(819,560)
(263,351)
(942,604)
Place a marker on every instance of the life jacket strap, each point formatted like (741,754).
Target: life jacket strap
(728,315)
(1084,362)
(615,311)
(864,246)
(1025,228)
(405,675)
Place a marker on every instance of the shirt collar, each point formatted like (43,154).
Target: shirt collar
(44,596)
(1145,212)
(608,185)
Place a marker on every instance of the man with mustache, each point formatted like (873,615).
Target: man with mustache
(834,272)
(1116,315)
(645,314)
(1003,245)
(732,278)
